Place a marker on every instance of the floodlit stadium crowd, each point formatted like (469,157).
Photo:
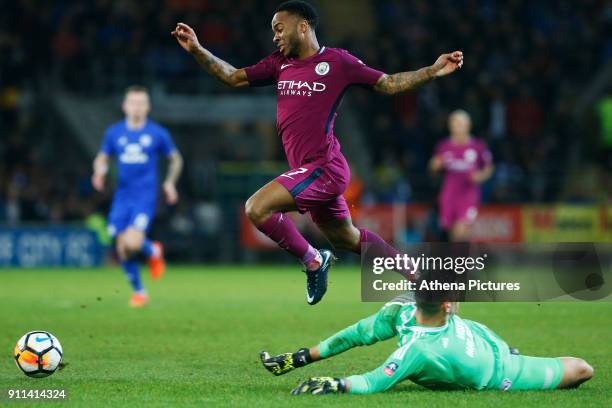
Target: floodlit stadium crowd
(526,66)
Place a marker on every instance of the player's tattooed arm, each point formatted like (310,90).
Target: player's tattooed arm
(220,69)
(404,81)
(223,71)
(175,167)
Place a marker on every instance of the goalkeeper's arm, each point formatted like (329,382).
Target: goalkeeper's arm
(370,330)
(378,380)
(396,368)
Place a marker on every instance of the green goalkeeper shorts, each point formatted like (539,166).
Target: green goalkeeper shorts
(532,373)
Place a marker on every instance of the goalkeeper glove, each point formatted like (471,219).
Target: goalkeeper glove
(283,363)
(320,385)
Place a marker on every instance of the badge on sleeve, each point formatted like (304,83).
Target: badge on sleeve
(390,369)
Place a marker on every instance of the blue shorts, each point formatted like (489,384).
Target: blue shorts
(128,213)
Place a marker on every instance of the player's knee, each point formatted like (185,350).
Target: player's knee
(132,247)
(255,211)
(132,244)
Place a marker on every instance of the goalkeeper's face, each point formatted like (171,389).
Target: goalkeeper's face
(136,105)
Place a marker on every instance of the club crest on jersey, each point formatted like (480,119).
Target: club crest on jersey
(322,68)
(145,140)
(470,155)
(122,141)
(390,369)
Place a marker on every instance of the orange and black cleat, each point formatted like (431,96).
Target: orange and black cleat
(157,264)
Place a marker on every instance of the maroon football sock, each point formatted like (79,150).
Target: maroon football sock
(379,247)
(282,230)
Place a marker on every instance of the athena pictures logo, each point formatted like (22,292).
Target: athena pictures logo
(491,272)
(322,68)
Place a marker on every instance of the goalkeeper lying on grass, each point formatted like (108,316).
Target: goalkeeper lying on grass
(437,349)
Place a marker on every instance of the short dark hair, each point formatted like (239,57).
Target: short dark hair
(302,9)
(429,301)
(429,309)
(136,88)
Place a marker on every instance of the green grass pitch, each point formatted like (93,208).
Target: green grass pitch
(197,343)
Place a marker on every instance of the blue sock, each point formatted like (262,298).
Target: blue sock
(147,247)
(132,271)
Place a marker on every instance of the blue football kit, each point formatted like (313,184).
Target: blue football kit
(137,152)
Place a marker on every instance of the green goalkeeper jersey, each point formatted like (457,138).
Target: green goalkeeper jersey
(462,354)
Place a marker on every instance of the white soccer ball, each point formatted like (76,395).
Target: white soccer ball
(38,353)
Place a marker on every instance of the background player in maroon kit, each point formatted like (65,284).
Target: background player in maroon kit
(310,81)
(467,163)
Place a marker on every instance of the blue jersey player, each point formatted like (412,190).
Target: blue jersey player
(137,143)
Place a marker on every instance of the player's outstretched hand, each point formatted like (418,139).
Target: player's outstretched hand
(320,385)
(171,194)
(97,181)
(448,63)
(186,37)
(277,365)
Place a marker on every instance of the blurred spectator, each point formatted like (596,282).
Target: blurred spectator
(524,116)
(515,74)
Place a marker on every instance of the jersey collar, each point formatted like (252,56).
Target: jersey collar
(144,125)
(309,59)
(425,329)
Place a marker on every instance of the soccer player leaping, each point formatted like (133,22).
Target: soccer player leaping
(436,349)
(137,143)
(310,81)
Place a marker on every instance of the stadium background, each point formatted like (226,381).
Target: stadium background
(537,82)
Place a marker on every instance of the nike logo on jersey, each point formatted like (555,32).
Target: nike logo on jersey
(285,66)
